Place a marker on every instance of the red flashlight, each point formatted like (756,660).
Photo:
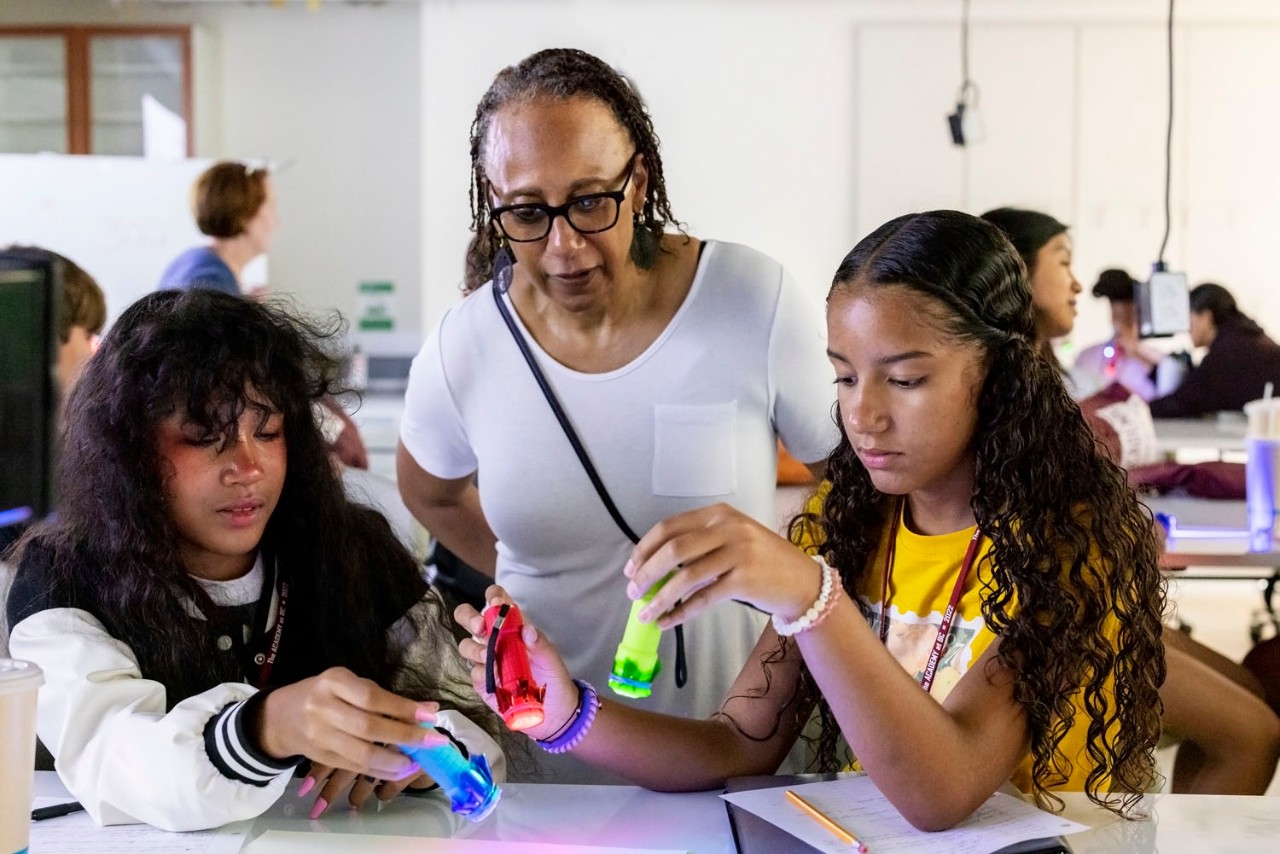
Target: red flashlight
(519,697)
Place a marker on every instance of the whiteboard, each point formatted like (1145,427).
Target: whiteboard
(122,219)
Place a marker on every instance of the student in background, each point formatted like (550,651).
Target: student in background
(1240,362)
(1045,248)
(84,313)
(679,361)
(235,204)
(1124,358)
(1230,739)
(1044,245)
(81,316)
(964,470)
(209,609)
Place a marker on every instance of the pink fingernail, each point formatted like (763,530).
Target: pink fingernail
(629,569)
(424,715)
(320,806)
(307,785)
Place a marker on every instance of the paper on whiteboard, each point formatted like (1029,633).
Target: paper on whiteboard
(164,132)
(856,804)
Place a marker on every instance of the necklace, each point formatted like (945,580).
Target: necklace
(944,629)
(269,648)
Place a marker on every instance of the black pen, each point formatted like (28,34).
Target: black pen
(56,810)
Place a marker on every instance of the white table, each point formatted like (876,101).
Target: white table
(1212,533)
(1196,551)
(583,815)
(698,823)
(1222,434)
(1180,823)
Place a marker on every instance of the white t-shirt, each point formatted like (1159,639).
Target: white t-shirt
(1099,366)
(690,422)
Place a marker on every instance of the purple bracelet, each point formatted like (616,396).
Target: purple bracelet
(576,730)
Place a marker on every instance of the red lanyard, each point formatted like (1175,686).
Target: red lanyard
(265,670)
(944,629)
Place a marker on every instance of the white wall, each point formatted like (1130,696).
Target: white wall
(752,152)
(793,125)
(798,127)
(339,90)
(1075,111)
(753,105)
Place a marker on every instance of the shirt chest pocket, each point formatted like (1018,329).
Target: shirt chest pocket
(695,450)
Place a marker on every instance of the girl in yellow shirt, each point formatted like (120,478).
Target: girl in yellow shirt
(990,553)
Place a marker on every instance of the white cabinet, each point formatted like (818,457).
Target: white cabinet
(1232,214)
(1075,116)
(1120,141)
(908,79)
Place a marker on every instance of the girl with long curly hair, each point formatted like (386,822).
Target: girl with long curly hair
(209,609)
(971,540)
(1229,741)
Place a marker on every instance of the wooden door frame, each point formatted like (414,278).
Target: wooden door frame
(76,41)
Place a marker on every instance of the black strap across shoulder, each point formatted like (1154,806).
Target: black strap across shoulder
(502,280)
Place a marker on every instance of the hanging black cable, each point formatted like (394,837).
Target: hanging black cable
(1168,151)
(963,132)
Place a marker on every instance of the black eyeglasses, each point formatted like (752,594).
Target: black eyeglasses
(587,214)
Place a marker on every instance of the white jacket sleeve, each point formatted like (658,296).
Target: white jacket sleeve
(121,753)
(475,740)
(427,651)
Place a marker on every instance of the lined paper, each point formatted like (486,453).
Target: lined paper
(858,805)
(77,833)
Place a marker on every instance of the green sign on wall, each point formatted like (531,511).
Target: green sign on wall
(376,306)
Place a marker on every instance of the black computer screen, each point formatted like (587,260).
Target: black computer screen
(30,297)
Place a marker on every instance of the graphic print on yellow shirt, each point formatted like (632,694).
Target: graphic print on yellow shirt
(925,569)
(924,574)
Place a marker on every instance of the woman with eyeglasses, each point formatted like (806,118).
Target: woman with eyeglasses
(679,362)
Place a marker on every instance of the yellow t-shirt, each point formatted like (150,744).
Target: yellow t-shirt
(925,569)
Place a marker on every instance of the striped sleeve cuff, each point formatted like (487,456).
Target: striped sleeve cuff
(457,742)
(232,750)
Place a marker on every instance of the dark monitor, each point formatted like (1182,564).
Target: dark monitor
(30,299)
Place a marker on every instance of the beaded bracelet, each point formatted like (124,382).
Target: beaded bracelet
(573,716)
(828,596)
(576,729)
